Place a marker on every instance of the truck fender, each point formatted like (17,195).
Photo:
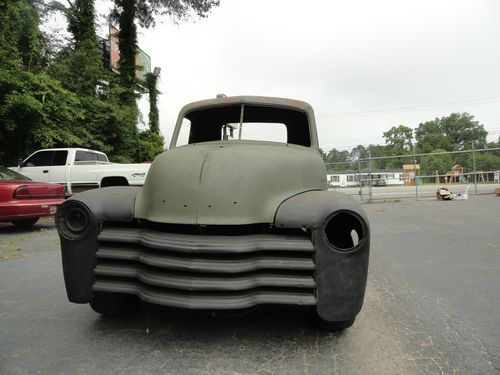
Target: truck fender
(79,247)
(341,264)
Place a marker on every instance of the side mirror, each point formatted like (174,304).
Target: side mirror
(20,163)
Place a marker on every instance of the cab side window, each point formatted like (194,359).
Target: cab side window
(103,158)
(85,156)
(40,159)
(60,158)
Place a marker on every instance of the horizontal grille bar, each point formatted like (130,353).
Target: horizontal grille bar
(205,300)
(188,243)
(205,282)
(206,271)
(202,263)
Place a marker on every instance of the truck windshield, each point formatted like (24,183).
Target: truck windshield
(245,122)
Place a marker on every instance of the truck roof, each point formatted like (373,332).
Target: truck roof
(248,99)
(70,148)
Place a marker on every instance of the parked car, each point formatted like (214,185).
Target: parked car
(80,169)
(23,201)
(380,182)
(223,222)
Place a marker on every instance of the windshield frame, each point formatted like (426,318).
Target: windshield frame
(297,130)
(257,101)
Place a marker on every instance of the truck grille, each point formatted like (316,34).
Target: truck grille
(204,271)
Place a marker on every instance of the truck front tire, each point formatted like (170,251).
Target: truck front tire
(326,325)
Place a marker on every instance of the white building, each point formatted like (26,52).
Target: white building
(351,178)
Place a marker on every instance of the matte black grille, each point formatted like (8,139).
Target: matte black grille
(206,271)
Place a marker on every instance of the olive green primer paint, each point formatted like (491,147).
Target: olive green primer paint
(227,182)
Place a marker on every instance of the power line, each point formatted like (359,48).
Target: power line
(412,108)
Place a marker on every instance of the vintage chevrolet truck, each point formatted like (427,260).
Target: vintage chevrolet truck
(227,221)
(80,169)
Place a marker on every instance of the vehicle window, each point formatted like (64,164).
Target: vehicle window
(257,123)
(86,156)
(259,131)
(103,158)
(7,174)
(60,158)
(40,159)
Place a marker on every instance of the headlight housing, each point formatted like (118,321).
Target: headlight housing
(73,220)
(345,231)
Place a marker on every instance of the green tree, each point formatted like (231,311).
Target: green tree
(35,110)
(84,67)
(151,144)
(144,12)
(454,132)
(378,151)
(399,140)
(21,42)
(440,163)
(108,117)
(486,161)
(358,152)
(337,157)
(154,117)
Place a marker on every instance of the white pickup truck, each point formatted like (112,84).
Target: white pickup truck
(80,169)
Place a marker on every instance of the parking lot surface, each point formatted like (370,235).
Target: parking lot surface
(432,307)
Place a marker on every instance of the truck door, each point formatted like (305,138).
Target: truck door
(37,166)
(58,170)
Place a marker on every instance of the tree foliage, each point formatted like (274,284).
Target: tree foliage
(177,10)
(399,140)
(35,109)
(34,113)
(127,12)
(21,42)
(154,117)
(440,163)
(151,144)
(454,132)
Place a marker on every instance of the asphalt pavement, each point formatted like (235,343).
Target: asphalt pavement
(432,307)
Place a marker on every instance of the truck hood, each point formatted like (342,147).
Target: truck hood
(227,183)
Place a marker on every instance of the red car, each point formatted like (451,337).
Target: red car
(23,201)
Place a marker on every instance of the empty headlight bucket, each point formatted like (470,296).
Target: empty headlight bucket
(345,231)
(73,220)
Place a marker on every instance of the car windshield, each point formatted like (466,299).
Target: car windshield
(245,122)
(7,174)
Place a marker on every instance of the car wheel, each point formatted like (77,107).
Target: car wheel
(25,223)
(328,325)
(113,304)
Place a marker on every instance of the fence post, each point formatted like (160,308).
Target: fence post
(359,177)
(415,172)
(370,174)
(474,167)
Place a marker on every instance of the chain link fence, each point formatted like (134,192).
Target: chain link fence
(417,175)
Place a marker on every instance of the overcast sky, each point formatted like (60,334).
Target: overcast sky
(397,61)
